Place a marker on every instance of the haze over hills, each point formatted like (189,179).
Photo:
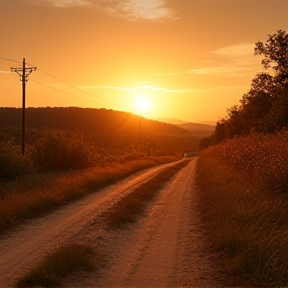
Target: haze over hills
(197,129)
(172,121)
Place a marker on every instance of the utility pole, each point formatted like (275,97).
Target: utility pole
(24,74)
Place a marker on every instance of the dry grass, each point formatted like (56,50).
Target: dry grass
(127,209)
(55,267)
(261,158)
(35,195)
(72,258)
(245,222)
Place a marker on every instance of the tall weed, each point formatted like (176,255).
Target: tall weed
(247,222)
(261,158)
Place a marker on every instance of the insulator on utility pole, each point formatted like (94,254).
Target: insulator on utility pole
(24,73)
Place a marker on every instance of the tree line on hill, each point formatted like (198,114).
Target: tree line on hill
(77,138)
(87,120)
(264,108)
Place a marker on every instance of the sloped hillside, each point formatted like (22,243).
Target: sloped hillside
(87,120)
(198,129)
(101,125)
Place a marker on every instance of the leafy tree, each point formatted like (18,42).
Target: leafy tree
(275,51)
(255,108)
(265,107)
(278,116)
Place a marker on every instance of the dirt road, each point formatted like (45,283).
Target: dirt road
(164,248)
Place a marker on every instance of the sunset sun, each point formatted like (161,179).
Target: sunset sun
(142,104)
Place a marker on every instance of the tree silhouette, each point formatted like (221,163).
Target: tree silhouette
(264,108)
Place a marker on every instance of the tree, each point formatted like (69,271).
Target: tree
(265,107)
(255,108)
(278,116)
(275,51)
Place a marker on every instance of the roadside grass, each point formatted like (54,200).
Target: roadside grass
(246,223)
(129,207)
(58,265)
(34,195)
(73,258)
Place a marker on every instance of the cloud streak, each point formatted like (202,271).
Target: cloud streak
(142,87)
(237,61)
(64,3)
(132,10)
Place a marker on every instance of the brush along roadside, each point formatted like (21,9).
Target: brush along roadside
(246,224)
(129,207)
(36,195)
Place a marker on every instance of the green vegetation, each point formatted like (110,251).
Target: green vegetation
(61,263)
(127,209)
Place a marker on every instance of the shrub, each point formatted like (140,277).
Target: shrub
(57,151)
(12,164)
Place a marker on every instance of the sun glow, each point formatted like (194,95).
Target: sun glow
(142,104)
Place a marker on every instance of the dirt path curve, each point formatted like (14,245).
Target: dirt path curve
(24,247)
(165,248)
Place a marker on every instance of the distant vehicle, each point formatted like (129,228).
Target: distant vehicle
(190,154)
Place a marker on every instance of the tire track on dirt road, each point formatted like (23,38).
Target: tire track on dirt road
(22,249)
(165,248)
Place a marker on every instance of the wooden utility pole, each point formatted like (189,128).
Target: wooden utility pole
(24,74)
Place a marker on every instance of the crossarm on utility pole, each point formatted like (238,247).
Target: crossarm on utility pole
(24,73)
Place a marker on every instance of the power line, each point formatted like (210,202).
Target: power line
(80,90)
(3,58)
(103,101)
(58,90)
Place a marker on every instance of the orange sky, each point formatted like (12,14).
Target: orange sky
(192,58)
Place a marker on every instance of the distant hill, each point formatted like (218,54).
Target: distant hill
(172,121)
(104,127)
(87,120)
(197,129)
(213,123)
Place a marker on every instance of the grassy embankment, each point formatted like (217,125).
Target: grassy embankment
(68,259)
(244,200)
(34,195)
